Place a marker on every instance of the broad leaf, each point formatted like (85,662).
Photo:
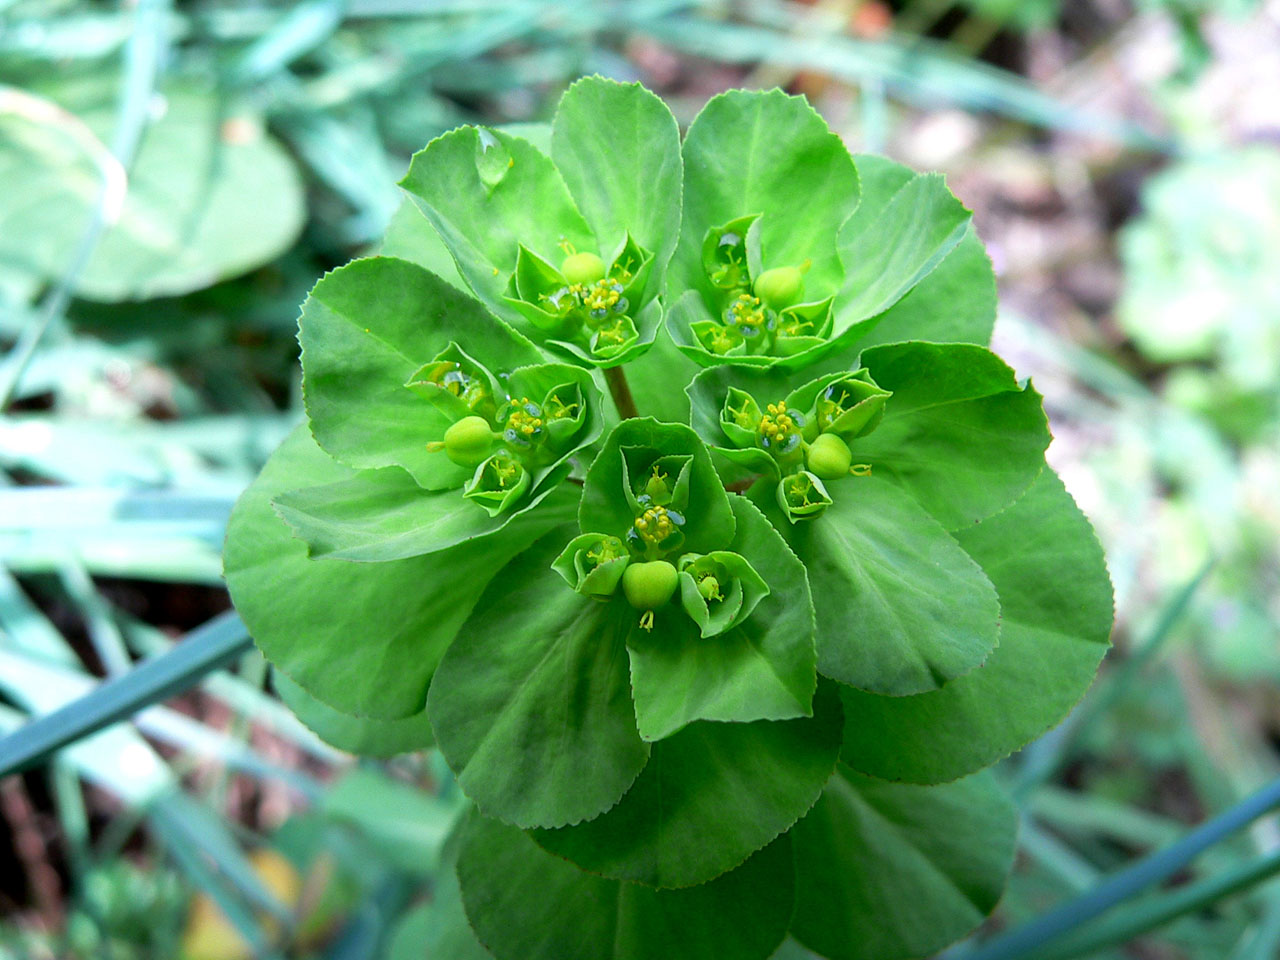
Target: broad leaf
(709,796)
(889,870)
(1055,597)
(410,236)
(361,735)
(363,638)
(381,515)
(487,192)
(959,434)
(769,154)
(365,330)
(526,904)
(901,608)
(762,669)
(532,708)
(886,252)
(618,148)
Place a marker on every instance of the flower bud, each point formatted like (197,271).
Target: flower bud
(780,287)
(469,441)
(582,268)
(828,457)
(649,585)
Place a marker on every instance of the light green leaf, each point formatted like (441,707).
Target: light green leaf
(955,303)
(365,330)
(959,434)
(886,252)
(486,192)
(709,796)
(533,708)
(410,236)
(1055,598)
(761,669)
(381,515)
(618,148)
(770,154)
(526,904)
(363,638)
(901,608)
(366,736)
(209,196)
(889,870)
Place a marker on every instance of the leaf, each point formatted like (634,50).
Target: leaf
(888,870)
(770,154)
(618,148)
(762,669)
(361,735)
(532,708)
(605,507)
(709,796)
(959,434)
(1055,598)
(483,220)
(209,196)
(955,303)
(526,904)
(886,252)
(366,328)
(382,515)
(901,608)
(363,638)
(410,236)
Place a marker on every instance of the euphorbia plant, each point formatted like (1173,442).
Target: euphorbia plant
(708,684)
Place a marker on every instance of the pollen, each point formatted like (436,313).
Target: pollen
(655,525)
(748,315)
(780,428)
(604,297)
(524,423)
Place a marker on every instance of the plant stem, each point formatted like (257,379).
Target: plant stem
(621,392)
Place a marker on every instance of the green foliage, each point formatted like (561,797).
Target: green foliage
(684,713)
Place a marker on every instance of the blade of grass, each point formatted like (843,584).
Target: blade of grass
(208,647)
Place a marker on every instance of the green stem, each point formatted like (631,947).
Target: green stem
(621,392)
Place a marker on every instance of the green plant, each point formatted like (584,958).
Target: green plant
(706,684)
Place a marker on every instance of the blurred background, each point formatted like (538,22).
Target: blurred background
(174,176)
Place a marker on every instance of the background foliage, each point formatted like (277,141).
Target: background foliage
(176,176)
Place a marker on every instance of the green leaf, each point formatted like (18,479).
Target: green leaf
(209,196)
(887,251)
(770,154)
(363,638)
(1056,607)
(382,515)
(486,192)
(532,708)
(410,236)
(526,904)
(901,608)
(618,148)
(761,669)
(607,504)
(959,434)
(709,796)
(362,735)
(365,330)
(955,303)
(890,870)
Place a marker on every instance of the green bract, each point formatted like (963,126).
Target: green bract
(711,683)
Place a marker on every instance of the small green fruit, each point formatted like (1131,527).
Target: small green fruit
(469,441)
(649,585)
(582,268)
(828,457)
(780,287)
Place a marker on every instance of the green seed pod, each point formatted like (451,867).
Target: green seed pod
(780,287)
(828,457)
(709,588)
(469,441)
(650,585)
(582,268)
